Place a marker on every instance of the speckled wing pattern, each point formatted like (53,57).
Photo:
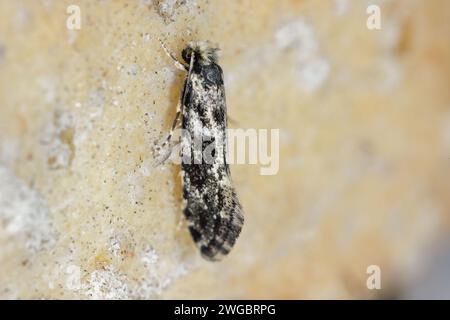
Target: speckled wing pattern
(212,208)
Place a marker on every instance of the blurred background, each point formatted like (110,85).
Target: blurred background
(359,90)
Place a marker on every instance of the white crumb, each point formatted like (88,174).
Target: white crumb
(312,75)
(310,68)
(106,284)
(24,214)
(9,150)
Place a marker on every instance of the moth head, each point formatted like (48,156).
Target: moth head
(204,52)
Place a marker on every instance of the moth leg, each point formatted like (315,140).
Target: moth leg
(169,137)
(179,105)
(178,64)
(167,155)
(179,109)
(174,123)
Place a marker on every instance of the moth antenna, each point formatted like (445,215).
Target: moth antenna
(178,64)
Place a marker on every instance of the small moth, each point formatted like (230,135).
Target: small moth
(210,202)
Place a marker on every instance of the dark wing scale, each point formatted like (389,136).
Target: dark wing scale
(212,207)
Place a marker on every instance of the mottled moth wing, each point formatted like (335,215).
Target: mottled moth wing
(211,207)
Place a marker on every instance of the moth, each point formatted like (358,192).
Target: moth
(210,202)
